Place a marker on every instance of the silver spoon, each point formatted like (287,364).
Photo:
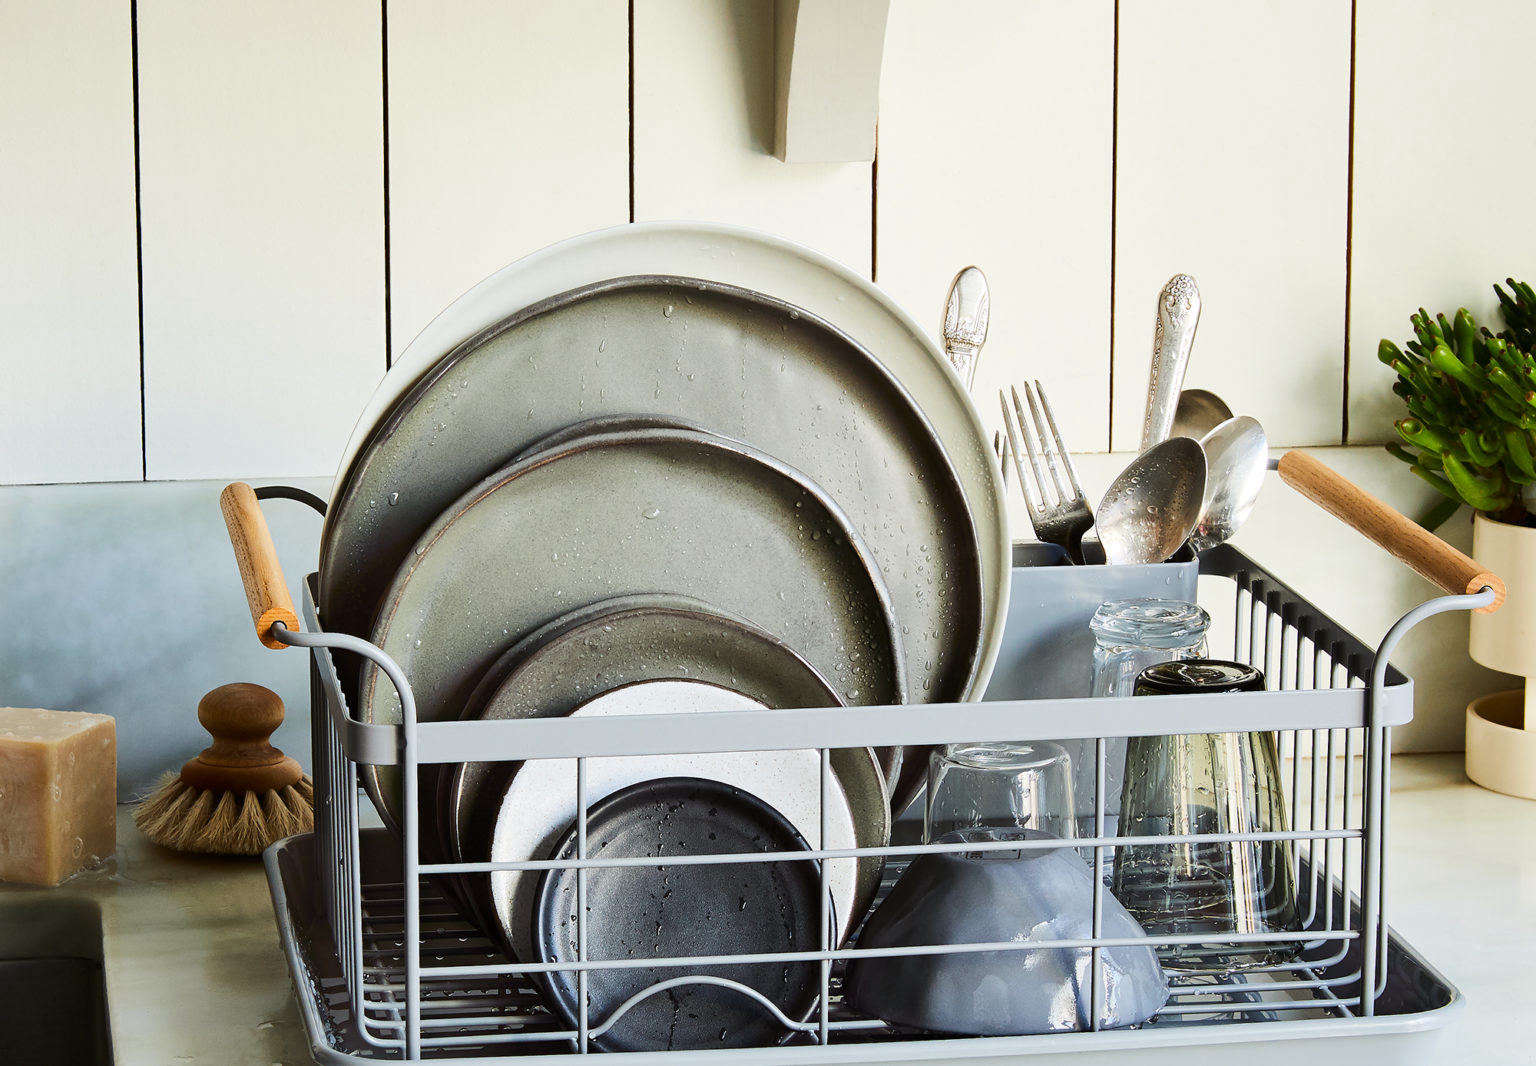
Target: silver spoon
(1198,412)
(1152,507)
(1178,314)
(967,312)
(1237,457)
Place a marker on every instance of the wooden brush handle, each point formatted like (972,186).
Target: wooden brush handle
(1453,570)
(241,718)
(265,589)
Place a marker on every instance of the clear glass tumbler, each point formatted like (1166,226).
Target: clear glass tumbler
(1027,784)
(1208,783)
(1129,636)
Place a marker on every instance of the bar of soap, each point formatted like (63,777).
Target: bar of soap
(58,793)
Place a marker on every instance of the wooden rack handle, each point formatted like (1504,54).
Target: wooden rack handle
(265,589)
(1454,571)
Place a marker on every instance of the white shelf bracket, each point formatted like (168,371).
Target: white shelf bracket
(827,62)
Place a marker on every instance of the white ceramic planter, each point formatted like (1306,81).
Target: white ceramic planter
(1501,748)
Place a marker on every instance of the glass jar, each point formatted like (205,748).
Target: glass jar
(1131,635)
(1207,784)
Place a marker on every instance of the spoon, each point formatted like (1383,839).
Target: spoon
(967,311)
(967,314)
(1237,457)
(1152,507)
(1198,412)
(1178,314)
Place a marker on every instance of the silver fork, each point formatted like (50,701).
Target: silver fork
(1055,501)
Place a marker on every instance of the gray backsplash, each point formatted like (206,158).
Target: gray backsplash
(124,599)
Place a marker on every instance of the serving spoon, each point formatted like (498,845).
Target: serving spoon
(1152,507)
(1198,412)
(1237,458)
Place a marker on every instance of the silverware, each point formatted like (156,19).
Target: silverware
(967,315)
(1236,458)
(967,311)
(1198,412)
(1178,313)
(1152,507)
(1056,505)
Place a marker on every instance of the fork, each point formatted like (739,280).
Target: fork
(1055,502)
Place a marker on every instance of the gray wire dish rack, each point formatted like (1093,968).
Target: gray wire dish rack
(384,967)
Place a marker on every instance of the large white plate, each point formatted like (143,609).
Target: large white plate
(772,266)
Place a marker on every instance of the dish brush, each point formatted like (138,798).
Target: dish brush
(241,794)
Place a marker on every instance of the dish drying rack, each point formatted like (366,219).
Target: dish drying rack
(385,969)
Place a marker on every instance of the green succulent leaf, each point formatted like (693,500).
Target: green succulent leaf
(1518,446)
(1437,515)
(1439,483)
(1483,493)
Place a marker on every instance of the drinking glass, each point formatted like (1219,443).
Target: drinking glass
(1129,636)
(1025,784)
(1207,783)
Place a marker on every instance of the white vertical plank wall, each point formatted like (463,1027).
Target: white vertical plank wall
(69,335)
(995,149)
(508,130)
(1233,166)
(262,206)
(317,181)
(1442,147)
(703,117)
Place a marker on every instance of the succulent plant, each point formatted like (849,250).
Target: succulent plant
(1471,399)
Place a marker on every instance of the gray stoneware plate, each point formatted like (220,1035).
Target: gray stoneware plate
(759,262)
(540,800)
(662,910)
(626,514)
(612,647)
(741,364)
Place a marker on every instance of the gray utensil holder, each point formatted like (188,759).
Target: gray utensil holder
(1047,650)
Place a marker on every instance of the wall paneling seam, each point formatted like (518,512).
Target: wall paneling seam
(1114,206)
(1349,222)
(631,110)
(874,209)
(138,238)
(389,342)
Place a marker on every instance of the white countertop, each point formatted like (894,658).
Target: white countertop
(195,973)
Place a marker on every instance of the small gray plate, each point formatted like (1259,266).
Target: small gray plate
(667,910)
(623,514)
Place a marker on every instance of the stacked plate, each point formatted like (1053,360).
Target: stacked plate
(667,468)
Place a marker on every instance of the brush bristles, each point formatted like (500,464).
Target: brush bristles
(181,817)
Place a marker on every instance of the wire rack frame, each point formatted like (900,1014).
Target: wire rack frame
(416,981)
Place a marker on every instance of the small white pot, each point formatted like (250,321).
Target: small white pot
(1501,746)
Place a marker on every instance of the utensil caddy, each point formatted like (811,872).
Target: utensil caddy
(385,968)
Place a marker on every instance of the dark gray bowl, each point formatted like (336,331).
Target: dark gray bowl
(996,897)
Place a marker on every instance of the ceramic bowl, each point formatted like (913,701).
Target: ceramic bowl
(995,897)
